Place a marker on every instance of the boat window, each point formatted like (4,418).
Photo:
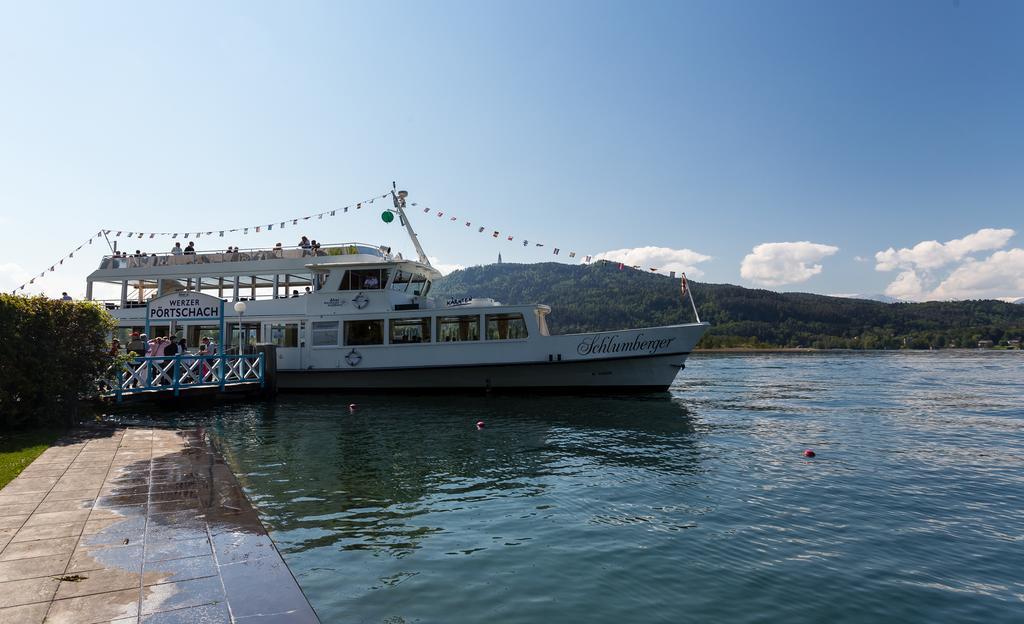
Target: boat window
(364,332)
(364,279)
(458,328)
(410,331)
(286,334)
(325,333)
(420,285)
(401,281)
(505,327)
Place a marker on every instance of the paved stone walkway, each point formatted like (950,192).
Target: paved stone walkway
(138,525)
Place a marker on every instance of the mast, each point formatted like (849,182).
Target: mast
(398,197)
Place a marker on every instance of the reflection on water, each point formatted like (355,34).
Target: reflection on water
(691,505)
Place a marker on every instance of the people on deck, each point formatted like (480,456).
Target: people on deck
(177,250)
(65,297)
(136,345)
(115,347)
(305,245)
(190,250)
(295,293)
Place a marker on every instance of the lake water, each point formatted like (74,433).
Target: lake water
(694,506)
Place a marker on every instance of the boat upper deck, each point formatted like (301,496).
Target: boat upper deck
(340,252)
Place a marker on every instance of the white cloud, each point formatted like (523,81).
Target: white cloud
(665,258)
(445,269)
(1000,275)
(907,285)
(775,264)
(933,254)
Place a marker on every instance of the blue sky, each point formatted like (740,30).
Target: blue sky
(791,145)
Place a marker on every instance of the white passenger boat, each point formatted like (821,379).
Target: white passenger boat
(355,316)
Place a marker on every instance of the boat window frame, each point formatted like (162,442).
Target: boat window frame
(313,334)
(437,326)
(522,318)
(424,323)
(350,322)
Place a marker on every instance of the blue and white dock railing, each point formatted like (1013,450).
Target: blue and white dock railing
(180,372)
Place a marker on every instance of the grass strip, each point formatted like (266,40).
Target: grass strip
(19,449)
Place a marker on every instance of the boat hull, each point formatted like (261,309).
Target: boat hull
(614,375)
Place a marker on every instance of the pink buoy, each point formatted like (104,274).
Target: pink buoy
(479,424)
(808,453)
(351,407)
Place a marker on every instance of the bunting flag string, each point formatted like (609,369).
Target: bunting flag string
(53,267)
(555,251)
(198,234)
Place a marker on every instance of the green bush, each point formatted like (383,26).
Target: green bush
(51,355)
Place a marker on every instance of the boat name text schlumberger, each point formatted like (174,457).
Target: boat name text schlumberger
(184,308)
(612,344)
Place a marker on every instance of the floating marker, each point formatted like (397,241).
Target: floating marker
(351,407)
(479,424)
(808,453)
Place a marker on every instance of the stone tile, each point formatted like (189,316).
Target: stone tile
(114,489)
(177,549)
(57,517)
(98,582)
(95,608)
(295,616)
(12,522)
(22,498)
(72,494)
(205,614)
(22,509)
(14,593)
(31,568)
(39,548)
(113,557)
(65,505)
(264,586)
(43,470)
(25,614)
(170,596)
(182,527)
(173,570)
(237,546)
(30,484)
(49,531)
(6,535)
(78,484)
(191,504)
(122,501)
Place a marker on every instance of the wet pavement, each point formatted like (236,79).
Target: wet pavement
(138,525)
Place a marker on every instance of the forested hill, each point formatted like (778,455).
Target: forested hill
(599,296)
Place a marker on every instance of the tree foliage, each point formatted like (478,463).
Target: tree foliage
(599,296)
(51,355)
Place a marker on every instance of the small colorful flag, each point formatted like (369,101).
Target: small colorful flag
(480,229)
(556,251)
(495,235)
(572,254)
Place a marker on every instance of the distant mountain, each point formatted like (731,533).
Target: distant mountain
(875,297)
(599,296)
(1019,301)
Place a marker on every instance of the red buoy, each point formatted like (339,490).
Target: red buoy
(808,453)
(479,424)
(351,407)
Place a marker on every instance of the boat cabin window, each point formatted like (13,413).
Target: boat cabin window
(325,333)
(420,285)
(364,279)
(505,327)
(401,281)
(286,334)
(410,331)
(458,328)
(364,332)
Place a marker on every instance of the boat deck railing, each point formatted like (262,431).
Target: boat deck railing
(141,260)
(175,373)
